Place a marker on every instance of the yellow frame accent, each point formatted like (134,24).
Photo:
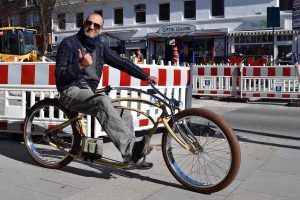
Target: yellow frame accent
(117,164)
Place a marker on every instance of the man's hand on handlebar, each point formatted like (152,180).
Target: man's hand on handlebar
(152,79)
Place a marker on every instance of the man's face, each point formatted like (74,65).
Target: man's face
(93,26)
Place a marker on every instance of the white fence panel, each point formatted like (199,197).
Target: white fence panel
(23,84)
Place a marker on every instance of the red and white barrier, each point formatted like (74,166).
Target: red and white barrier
(21,82)
(222,80)
(280,82)
(36,74)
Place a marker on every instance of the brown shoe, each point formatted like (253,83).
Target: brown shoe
(143,165)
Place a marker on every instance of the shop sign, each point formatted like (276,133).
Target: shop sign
(177,28)
(207,83)
(278,85)
(219,47)
(259,25)
(296,14)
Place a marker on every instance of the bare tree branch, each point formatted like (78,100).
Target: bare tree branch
(45,8)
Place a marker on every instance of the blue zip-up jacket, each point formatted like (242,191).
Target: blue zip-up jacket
(68,73)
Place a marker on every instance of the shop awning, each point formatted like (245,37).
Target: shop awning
(141,44)
(187,34)
(264,32)
(122,34)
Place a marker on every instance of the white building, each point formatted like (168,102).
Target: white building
(204,31)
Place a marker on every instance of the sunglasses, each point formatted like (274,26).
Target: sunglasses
(96,26)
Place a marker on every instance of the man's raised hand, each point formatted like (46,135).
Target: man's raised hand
(85,60)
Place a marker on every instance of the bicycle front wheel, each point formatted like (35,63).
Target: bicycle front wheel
(216,161)
(44,115)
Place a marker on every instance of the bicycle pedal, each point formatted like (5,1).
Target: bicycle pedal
(148,149)
(91,156)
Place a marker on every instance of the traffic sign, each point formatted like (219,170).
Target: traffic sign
(273,17)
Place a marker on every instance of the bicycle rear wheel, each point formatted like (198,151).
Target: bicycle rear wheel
(216,161)
(44,115)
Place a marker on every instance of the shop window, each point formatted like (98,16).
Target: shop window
(247,39)
(190,9)
(164,12)
(140,13)
(284,54)
(284,37)
(203,52)
(79,19)
(253,39)
(270,38)
(119,16)
(286,5)
(259,39)
(237,39)
(265,39)
(242,39)
(98,12)
(61,20)
(217,8)
(254,49)
(113,43)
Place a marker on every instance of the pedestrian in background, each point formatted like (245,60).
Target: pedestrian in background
(133,56)
(140,57)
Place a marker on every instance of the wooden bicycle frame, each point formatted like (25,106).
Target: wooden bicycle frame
(162,119)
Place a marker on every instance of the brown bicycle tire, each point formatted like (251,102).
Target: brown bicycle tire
(231,138)
(75,147)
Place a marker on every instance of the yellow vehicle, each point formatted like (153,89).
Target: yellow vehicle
(18,42)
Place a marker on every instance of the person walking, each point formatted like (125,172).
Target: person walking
(133,56)
(140,57)
(79,64)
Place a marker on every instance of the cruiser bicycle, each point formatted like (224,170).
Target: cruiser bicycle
(199,148)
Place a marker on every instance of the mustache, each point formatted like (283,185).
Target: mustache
(90,29)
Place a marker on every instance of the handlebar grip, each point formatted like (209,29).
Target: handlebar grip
(106,89)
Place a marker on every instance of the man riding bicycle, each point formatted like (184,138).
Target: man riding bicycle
(79,63)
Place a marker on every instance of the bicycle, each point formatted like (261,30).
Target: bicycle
(199,148)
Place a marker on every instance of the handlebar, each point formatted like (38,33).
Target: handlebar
(172,103)
(106,89)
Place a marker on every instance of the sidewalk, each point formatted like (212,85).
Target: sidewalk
(267,172)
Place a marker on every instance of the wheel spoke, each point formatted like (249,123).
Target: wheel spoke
(42,116)
(210,164)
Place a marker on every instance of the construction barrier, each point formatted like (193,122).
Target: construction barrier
(277,82)
(220,80)
(23,84)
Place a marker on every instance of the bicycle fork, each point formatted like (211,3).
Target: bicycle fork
(190,144)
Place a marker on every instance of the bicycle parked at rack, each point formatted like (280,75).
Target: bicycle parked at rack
(199,148)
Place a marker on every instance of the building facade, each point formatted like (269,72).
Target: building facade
(205,31)
(19,13)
